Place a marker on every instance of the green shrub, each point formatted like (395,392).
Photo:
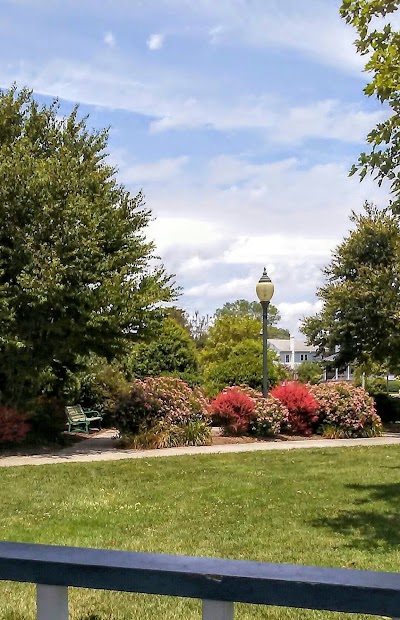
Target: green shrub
(394,386)
(309,372)
(243,366)
(171,352)
(376,385)
(48,418)
(101,388)
(346,411)
(387,407)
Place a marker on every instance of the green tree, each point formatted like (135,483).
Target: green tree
(309,372)
(170,352)
(361,297)
(243,366)
(227,332)
(243,308)
(75,266)
(381,46)
(233,354)
(180,316)
(278,332)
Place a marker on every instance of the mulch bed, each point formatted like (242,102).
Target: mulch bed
(219,439)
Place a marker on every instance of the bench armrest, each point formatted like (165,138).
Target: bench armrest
(86,411)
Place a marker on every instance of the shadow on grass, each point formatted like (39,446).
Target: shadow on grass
(372,521)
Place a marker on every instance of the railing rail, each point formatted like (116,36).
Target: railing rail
(219,583)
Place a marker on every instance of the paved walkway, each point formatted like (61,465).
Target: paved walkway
(101,448)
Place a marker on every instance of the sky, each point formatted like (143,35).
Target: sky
(239,120)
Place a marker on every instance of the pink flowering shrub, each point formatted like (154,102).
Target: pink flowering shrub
(346,411)
(165,403)
(270,416)
(241,410)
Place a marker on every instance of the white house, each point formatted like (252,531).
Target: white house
(293,352)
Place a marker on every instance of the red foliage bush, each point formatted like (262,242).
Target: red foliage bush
(301,404)
(13,425)
(234,410)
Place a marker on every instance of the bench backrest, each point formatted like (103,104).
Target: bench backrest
(75,413)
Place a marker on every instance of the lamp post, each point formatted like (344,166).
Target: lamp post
(265,290)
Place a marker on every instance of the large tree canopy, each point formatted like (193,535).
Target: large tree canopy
(380,43)
(242,308)
(243,366)
(226,333)
(75,266)
(170,352)
(361,297)
(233,354)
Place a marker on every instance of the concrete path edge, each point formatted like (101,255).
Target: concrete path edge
(93,454)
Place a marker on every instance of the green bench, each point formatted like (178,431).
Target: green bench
(80,419)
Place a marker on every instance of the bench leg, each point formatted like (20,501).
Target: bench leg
(217,610)
(52,602)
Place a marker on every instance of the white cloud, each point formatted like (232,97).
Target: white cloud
(156,172)
(313,28)
(326,119)
(176,101)
(185,231)
(291,223)
(254,249)
(155,41)
(293,313)
(109,39)
(233,288)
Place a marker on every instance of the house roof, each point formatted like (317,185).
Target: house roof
(299,345)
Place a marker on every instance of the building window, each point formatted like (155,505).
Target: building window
(287,359)
(302,358)
(306,357)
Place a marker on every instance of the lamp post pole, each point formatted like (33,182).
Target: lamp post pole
(265,305)
(265,290)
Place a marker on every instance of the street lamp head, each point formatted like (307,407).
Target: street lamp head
(265,288)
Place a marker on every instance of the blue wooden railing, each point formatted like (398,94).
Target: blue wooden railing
(219,583)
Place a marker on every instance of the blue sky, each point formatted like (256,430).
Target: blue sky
(239,119)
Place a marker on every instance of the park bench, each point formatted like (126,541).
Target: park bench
(80,419)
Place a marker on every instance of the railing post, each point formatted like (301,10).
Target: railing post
(217,610)
(52,602)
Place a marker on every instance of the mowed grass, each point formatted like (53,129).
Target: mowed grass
(336,507)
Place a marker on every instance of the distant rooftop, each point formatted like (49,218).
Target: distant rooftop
(284,345)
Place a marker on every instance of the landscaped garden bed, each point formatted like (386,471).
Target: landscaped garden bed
(166,412)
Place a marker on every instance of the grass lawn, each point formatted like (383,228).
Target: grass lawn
(336,507)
